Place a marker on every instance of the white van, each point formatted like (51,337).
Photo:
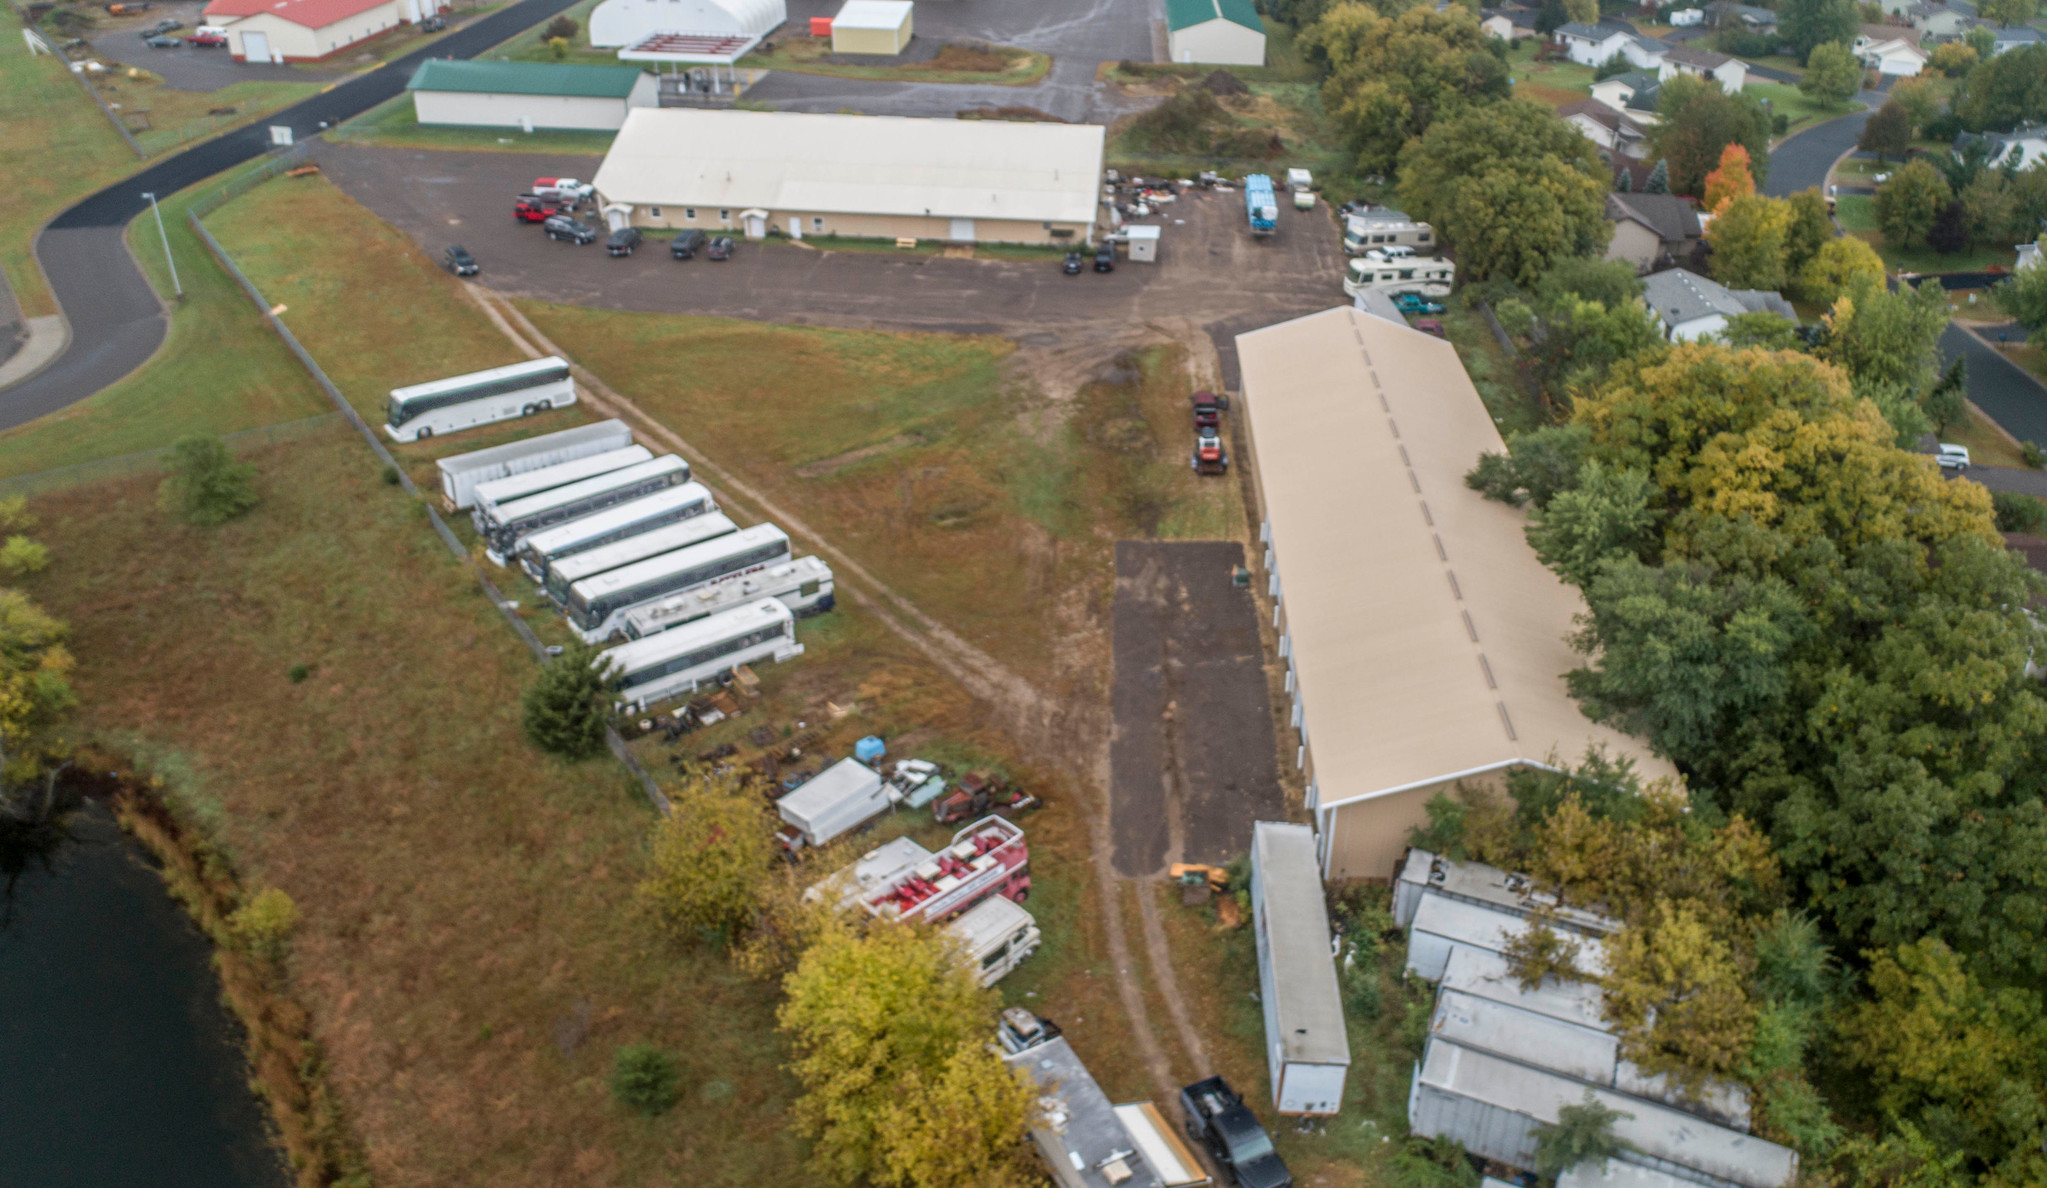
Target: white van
(996,935)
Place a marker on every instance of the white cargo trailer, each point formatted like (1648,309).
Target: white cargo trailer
(462,472)
(803,585)
(506,524)
(834,801)
(487,496)
(1305,1044)
(564,572)
(612,525)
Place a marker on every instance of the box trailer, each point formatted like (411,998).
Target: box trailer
(461,473)
(845,795)
(1305,1044)
(486,496)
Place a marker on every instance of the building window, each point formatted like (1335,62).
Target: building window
(689,214)
(725,216)
(817,223)
(653,212)
(1423,237)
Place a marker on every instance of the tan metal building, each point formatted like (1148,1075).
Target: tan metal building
(308,30)
(872,27)
(882,177)
(1424,643)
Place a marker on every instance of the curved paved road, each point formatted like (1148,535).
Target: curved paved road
(116,321)
(1801,162)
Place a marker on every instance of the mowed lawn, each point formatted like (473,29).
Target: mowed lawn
(468,951)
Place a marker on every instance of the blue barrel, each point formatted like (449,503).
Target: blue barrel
(868,749)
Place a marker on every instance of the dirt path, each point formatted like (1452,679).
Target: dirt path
(1047,727)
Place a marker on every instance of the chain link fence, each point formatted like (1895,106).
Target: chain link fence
(152,461)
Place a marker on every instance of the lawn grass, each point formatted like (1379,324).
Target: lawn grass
(1553,83)
(1801,110)
(395,124)
(802,54)
(184,388)
(1988,445)
(531,45)
(55,147)
(1492,370)
(161,118)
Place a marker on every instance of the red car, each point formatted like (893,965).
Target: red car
(208,40)
(532,208)
(1431,326)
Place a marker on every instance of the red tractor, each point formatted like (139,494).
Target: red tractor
(1208,410)
(979,794)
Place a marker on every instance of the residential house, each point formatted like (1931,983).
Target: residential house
(2030,256)
(1651,228)
(1499,25)
(1614,131)
(1890,49)
(2016,37)
(1730,73)
(1938,22)
(2021,148)
(1595,45)
(1691,306)
(1634,93)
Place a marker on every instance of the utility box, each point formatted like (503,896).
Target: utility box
(846,794)
(1305,1043)
(820,26)
(1144,243)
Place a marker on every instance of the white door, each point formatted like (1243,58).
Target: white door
(963,230)
(795,227)
(255,47)
(756,226)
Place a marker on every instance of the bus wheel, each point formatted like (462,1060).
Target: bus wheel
(424,433)
(529,410)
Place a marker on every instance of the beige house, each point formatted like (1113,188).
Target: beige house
(307,30)
(872,27)
(874,177)
(1424,643)
(1649,229)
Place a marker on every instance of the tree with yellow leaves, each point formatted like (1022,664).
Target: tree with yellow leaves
(710,859)
(1750,237)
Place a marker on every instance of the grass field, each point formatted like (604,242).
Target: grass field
(162,118)
(55,147)
(1552,84)
(1004,66)
(395,124)
(1787,100)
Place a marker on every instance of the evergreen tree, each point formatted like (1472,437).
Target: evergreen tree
(1950,230)
(1659,179)
(1624,182)
(565,704)
(207,486)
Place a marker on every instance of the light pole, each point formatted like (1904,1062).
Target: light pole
(158,211)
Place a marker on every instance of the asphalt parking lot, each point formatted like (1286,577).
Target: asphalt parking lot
(1211,270)
(188,68)
(1191,763)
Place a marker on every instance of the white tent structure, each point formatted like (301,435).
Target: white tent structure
(708,31)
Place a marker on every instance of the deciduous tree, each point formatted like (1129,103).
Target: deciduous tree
(710,860)
(1953,58)
(1838,266)
(2008,13)
(1729,180)
(1811,228)
(2003,92)
(1390,79)
(35,684)
(1888,133)
(2023,295)
(207,486)
(1698,121)
(1833,75)
(1749,242)
(1919,100)
(1606,516)
(1805,24)
(1908,204)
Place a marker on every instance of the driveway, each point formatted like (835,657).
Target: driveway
(115,319)
(1210,268)
(1191,762)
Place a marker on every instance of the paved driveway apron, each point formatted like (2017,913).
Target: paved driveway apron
(1191,762)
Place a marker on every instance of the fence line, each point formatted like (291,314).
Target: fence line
(235,188)
(347,411)
(58,56)
(150,461)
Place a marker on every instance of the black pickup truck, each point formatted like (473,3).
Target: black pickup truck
(1219,1119)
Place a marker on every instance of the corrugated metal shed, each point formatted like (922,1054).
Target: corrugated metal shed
(1293,943)
(526,78)
(1442,926)
(1475,882)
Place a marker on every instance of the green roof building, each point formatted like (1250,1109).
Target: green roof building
(529,95)
(1224,32)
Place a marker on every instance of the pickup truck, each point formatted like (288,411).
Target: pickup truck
(1415,303)
(1218,1119)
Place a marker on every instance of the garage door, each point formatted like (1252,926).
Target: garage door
(963,230)
(255,47)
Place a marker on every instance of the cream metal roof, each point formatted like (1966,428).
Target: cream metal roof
(854,164)
(1427,640)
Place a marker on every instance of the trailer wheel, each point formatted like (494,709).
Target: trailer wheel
(1021,895)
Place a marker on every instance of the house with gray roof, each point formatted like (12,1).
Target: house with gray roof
(1691,307)
(1730,72)
(1634,92)
(2021,148)
(1652,229)
(1615,132)
(1595,45)
(2016,37)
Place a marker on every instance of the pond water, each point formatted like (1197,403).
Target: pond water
(118,1064)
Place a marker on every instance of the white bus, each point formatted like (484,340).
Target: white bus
(803,585)
(479,398)
(613,525)
(675,663)
(596,606)
(460,473)
(506,524)
(485,498)
(1428,275)
(565,572)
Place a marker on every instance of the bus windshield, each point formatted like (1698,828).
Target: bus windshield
(394,411)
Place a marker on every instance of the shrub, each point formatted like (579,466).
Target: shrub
(1582,1133)
(206,485)
(297,673)
(564,707)
(263,925)
(21,556)
(559,47)
(2035,456)
(562,28)
(645,1079)
(1952,59)
(2019,513)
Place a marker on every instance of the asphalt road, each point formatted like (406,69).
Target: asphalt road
(1801,162)
(1191,762)
(1998,386)
(116,321)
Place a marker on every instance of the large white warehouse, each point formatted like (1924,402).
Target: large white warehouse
(883,177)
(684,30)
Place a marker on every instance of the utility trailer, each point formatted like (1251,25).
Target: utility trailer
(1306,1047)
(460,473)
(1259,204)
(830,804)
(904,881)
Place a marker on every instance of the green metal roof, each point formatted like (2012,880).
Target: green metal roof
(525,78)
(1182,14)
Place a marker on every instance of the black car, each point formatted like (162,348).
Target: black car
(623,242)
(433,24)
(458,261)
(574,230)
(687,244)
(719,249)
(1105,258)
(1218,1119)
(1074,265)
(162,41)
(163,26)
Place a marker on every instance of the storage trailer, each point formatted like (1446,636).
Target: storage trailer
(466,401)
(803,585)
(596,606)
(675,663)
(1259,204)
(612,525)
(565,572)
(1305,1045)
(833,802)
(489,495)
(994,937)
(460,473)
(509,523)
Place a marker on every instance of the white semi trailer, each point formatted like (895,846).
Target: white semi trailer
(460,473)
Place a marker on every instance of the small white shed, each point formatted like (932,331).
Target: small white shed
(872,27)
(1305,1042)
(1143,240)
(1221,32)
